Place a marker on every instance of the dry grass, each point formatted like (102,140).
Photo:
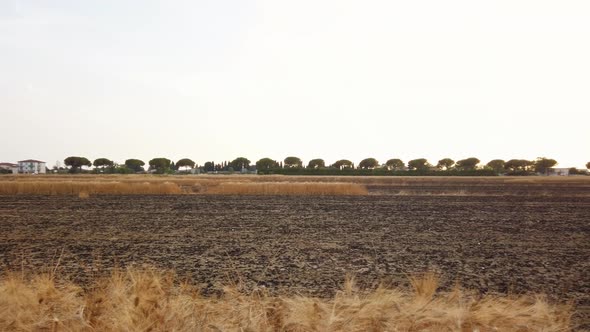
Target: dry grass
(85,188)
(287,188)
(151,300)
(268,184)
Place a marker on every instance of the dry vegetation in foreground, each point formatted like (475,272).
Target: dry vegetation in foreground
(152,300)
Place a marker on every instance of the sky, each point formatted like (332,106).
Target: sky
(215,80)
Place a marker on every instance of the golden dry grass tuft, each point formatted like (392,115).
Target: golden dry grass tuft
(152,300)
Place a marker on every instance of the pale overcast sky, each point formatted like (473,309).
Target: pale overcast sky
(215,80)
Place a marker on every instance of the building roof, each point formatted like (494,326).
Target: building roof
(9,164)
(30,161)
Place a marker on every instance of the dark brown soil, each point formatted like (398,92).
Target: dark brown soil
(308,244)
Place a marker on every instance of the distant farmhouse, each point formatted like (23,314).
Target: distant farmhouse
(554,171)
(31,166)
(9,167)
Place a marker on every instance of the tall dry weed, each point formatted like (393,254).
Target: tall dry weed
(152,300)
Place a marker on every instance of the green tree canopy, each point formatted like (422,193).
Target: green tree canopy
(394,164)
(209,166)
(543,164)
(342,163)
(368,163)
(135,164)
(76,163)
(518,165)
(574,171)
(445,163)
(316,163)
(497,165)
(102,162)
(293,162)
(185,162)
(468,164)
(161,165)
(420,164)
(266,163)
(239,163)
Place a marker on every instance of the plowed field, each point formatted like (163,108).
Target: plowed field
(307,244)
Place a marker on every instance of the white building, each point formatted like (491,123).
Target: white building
(10,167)
(31,166)
(554,171)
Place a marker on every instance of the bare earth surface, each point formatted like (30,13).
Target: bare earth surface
(308,244)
